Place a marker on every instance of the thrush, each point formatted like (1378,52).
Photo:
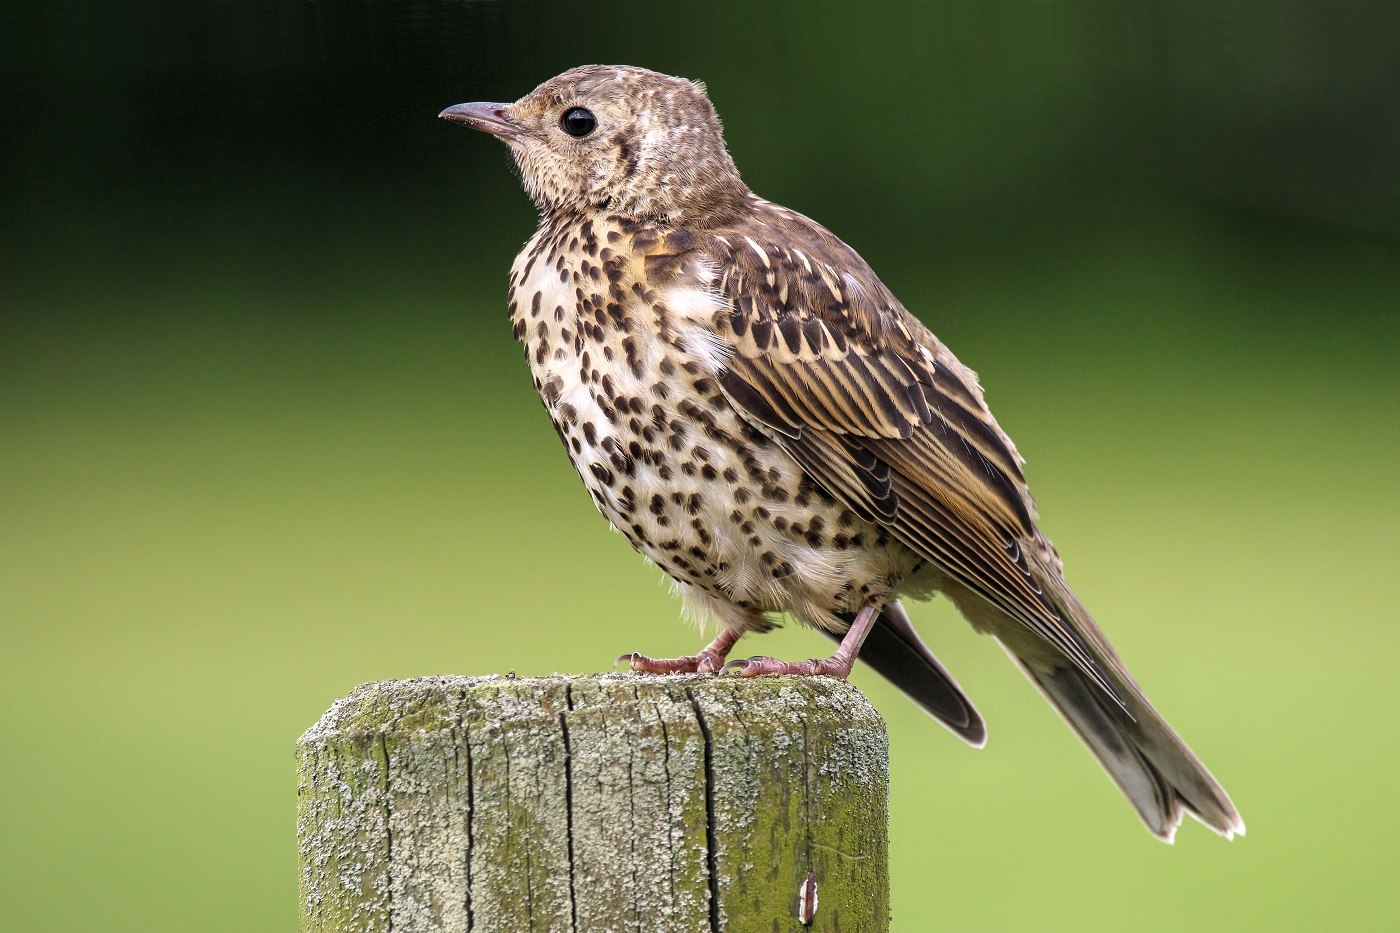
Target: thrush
(750,406)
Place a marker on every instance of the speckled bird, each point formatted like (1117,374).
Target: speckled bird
(750,406)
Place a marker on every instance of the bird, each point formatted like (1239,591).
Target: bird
(751,407)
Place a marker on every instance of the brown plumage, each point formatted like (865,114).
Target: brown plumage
(750,406)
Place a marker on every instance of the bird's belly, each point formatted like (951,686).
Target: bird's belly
(741,525)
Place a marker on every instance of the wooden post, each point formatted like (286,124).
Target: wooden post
(618,802)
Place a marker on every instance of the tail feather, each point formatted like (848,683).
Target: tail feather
(897,653)
(1153,767)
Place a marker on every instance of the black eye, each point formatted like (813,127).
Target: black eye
(578,122)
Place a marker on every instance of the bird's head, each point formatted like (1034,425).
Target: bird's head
(619,139)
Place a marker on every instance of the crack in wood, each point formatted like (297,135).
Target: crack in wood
(711,860)
(569,802)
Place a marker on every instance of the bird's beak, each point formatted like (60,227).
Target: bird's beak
(488,118)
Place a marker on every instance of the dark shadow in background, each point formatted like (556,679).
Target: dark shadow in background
(292,140)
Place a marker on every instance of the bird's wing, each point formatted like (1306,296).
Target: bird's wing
(822,357)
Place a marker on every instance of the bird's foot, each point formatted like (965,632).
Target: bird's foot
(702,663)
(834,666)
(709,660)
(838,665)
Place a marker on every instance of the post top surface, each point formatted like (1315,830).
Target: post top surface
(444,699)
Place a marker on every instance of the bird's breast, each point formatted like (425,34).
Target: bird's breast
(627,368)
(626,371)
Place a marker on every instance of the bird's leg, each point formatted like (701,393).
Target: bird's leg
(708,661)
(838,665)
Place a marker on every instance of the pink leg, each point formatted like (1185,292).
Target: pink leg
(838,665)
(708,661)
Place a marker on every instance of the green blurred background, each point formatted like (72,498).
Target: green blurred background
(264,434)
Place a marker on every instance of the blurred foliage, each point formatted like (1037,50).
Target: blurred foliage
(265,434)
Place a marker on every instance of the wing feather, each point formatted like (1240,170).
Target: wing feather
(878,412)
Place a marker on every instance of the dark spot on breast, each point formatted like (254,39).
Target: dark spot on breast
(620,461)
(629,347)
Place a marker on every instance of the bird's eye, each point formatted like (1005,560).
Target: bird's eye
(578,122)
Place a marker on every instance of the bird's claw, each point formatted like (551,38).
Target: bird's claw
(703,663)
(813,667)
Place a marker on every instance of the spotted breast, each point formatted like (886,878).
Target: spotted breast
(618,320)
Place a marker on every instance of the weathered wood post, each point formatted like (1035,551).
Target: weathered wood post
(586,804)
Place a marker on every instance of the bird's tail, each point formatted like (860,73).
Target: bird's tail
(897,653)
(1160,775)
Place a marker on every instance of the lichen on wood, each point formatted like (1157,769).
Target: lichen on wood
(617,802)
